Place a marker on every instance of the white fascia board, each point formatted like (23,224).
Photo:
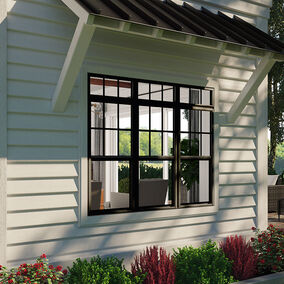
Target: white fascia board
(77,9)
(251,87)
(73,62)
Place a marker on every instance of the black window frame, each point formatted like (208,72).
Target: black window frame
(135,158)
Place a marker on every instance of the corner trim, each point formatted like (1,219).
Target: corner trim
(3,129)
(262,167)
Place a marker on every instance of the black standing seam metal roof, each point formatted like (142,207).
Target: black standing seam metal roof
(184,18)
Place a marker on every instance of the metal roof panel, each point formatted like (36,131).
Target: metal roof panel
(185,18)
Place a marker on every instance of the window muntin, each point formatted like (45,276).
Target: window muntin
(148,135)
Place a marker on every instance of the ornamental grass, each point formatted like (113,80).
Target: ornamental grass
(156,264)
(243,256)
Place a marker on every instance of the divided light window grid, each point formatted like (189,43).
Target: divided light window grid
(150,145)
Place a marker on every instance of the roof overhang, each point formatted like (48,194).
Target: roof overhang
(88,22)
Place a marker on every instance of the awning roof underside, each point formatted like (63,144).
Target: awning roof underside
(186,19)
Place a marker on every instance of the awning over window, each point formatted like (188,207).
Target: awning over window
(185,19)
(168,22)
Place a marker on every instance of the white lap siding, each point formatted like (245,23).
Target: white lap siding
(43,173)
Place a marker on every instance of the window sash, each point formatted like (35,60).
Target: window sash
(135,158)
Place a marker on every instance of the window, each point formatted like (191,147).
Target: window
(150,145)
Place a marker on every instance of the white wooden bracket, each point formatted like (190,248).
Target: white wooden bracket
(251,87)
(73,62)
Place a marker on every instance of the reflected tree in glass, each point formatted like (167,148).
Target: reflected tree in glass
(189,170)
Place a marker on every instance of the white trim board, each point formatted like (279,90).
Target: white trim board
(3,128)
(262,165)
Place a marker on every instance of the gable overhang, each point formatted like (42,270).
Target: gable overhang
(88,23)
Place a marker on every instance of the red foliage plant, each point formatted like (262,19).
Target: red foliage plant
(243,256)
(156,264)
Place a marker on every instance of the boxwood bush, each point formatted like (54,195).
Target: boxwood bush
(204,265)
(101,271)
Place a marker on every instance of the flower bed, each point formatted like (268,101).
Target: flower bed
(234,259)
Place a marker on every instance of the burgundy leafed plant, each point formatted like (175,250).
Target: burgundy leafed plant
(157,264)
(243,256)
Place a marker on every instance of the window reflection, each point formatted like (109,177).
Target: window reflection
(155,185)
(109,185)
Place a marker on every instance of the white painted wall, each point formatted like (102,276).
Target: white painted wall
(46,171)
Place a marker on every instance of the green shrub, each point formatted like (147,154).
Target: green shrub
(39,272)
(269,245)
(204,265)
(101,271)
(123,185)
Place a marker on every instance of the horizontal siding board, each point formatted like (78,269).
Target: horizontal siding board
(42,122)
(236,178)
(38,42)
(104,39)
(267,3)
(237,132)
(236,202)
(235,214)
(17,220)
(42,186)
(248,110)
(112,40)
(241,155)
(36,90)
(230,85)
(34,106)
(244,7)
(38,234)
(42,138)
(235,190)
(141,58)
(32,74)
(54,3)
(242,167)
(244,120)
(37,49)
(102,241)
(235,74)
(124,240)
(237,62)
(40,27)
(249,144)
(42,153)
(35,58)
(44,12)
(38,106)
(235,226)
(37,170)
(26,203)
(230,97)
